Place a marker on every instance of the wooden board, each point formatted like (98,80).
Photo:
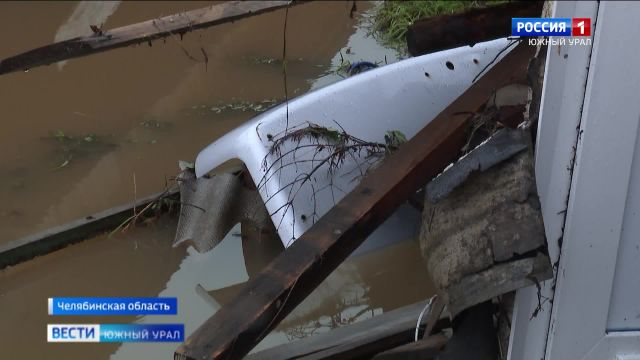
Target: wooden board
(418,350)
(143,32)
(58,237)
(471,27)
(365,338)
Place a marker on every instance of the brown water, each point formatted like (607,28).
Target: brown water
(142,263)
(74,137)
(147,106)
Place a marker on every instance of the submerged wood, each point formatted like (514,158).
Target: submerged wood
(267,298)
(474,26)
(49,240)
(474,335)
(426,349)
(143,32)
(362,339)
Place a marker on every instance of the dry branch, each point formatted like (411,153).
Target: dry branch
(329,148)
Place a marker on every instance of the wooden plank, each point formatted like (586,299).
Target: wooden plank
(365,338)
(78,230)
(234,330)
(143,32)
(425,349)
(471,27)
(474,335)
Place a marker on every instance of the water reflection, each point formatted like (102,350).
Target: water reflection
(221,267)
(142,263)
(85,15)
(361,287)
(137,263)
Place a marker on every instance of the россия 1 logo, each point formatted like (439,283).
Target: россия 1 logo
(550,27)
(581,27)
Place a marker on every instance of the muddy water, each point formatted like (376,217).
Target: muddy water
(142,263)
(72,139)
(135,264)
(74,136)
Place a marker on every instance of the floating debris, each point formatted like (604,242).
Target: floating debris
(244,106)
(184,165)
(360,66)
(259,60)
(76,146)
(64,163)
(264,60)
(154,124)
(347,68)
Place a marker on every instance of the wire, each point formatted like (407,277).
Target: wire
(427,309)
(513,42)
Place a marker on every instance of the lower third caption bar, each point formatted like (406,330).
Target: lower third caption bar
(115,333)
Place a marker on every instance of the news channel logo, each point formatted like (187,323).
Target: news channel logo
(110,333)
(528,27)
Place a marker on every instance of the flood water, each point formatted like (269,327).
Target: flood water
(96,132)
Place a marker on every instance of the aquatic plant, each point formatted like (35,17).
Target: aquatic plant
(244,106)
(154,124)
(69,147)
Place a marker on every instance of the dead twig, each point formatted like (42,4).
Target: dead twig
(312,150)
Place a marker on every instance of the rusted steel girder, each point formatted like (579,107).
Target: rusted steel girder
(267,298)
(143,32)
(471,27)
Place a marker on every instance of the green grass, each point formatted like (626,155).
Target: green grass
(393,18)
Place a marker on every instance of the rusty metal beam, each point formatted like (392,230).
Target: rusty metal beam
(143,32)
(267,298)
